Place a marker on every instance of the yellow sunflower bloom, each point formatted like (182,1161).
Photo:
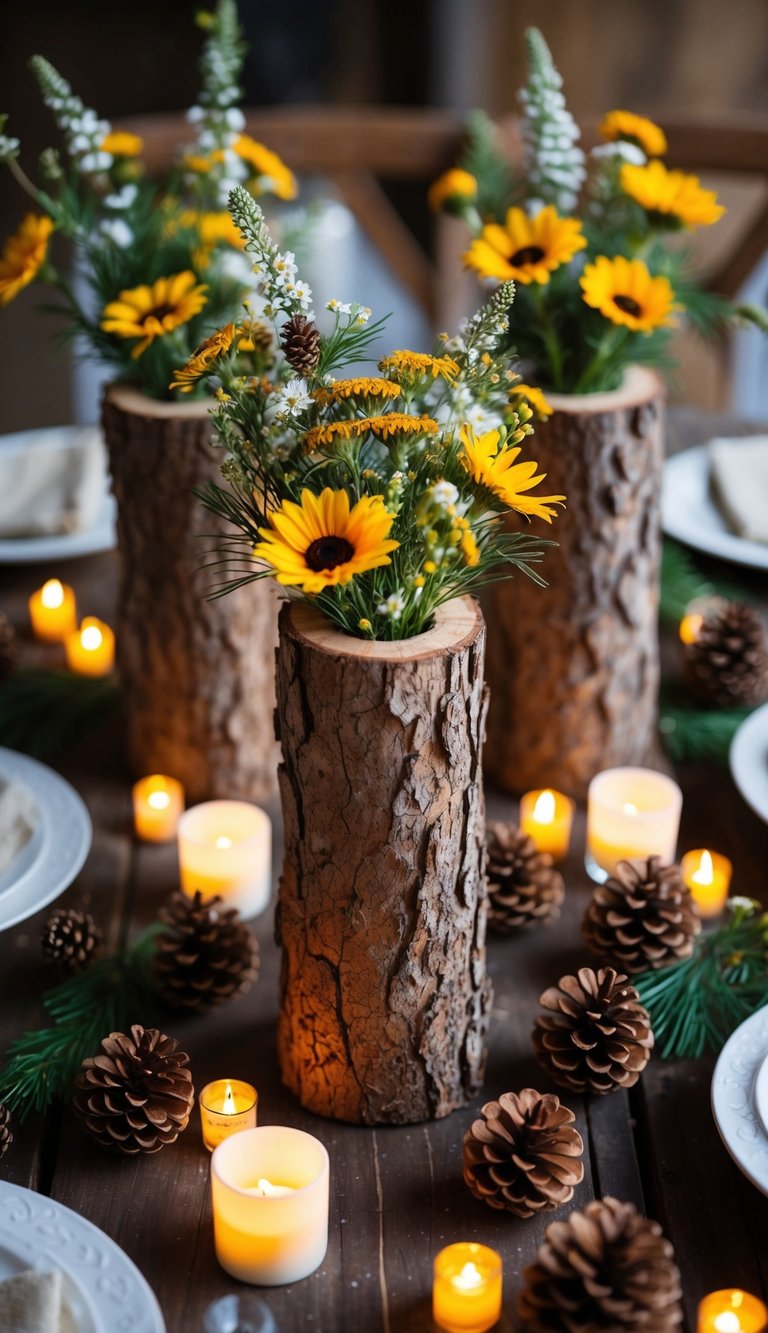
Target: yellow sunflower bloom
(624,291)
(150,312)
(414,366)
(23,255)
(637,129)
(453,185)
(322,542)
(362,386)
(203,358)
(672,196)
(274,176)
(526,249)
(122,144)
(534,397)
(494,468)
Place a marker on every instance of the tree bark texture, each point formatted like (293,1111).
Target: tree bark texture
(382,906)
(197,677)
(574,669)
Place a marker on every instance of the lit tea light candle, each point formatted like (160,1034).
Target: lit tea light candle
(225,847)
(690,627)
(732,1312)
(632,813)
(547,816)
(158,802)
(270,1188)
(53,611)
(91,649)
(227,1106)
(466,1294)
(708,876)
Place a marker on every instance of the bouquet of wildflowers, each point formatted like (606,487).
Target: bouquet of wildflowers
(163,264)
(586,242)
(376,497)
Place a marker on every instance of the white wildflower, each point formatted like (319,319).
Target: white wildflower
(118,231)
(235,118)
(292,398)
(122,198)
(742,904)
(195,115)
(338,307)
(393,606)
(444,493)
(620,150)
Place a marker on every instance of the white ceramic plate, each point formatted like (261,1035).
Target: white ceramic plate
(749,761)
(104,1292)
(734,1087)
(55,853)
(101,536)
(690,515)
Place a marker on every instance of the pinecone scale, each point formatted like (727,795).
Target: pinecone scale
(642,918)
(6,1137)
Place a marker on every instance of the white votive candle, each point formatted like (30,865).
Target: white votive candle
(225,847)
(632,813)
(270,1188)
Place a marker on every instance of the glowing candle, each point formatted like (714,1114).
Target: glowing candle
(227,1106)
(708,876)
(225,847)
(279,1234)
(546,816)
(732,1312)
(158,802)
(91,649)
(466,1294)
(53,611)
(632,813)
(690,627)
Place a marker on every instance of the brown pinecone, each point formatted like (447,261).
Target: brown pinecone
(597,1036)
(524,887)
(71,939)
(6,1137)
(642,918)
(206,956)
(604,1268)
(300,341)
(136,1095)
(521,1154)
(9,652)
(727,664)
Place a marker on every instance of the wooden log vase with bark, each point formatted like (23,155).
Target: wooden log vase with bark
(574,669)
(196,676)
(384,996)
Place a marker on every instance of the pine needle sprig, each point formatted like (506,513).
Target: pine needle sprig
(42,712)
(483,159)
(682,583)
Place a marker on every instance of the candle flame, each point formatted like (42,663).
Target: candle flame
(727,1322)
(223,842)
(544,809)
(270,1191)
(229,1107)
(159,800)
(91,637)
(705,873)
(690,627)
(469,1278)
(52,594)
(630,808)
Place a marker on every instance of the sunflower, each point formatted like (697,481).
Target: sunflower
(415,366)
(122,144)
(636,129)
(151,312)
(491,466)
(526,249)
(624,291)
(362,386)
(23,255)
(321,542)
(274,176)
(452,188)
(534,397)
(203,358)
(672,197)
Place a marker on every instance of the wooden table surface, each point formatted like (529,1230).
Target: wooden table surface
(397,1194)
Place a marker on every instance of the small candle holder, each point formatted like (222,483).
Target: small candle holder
(238,1314)
(91,649)
(227,1106)
(53,612)
(547,817)
(225,847)
(158,803)
(732,1312)
(708,876)
(466,1293)
(632,813)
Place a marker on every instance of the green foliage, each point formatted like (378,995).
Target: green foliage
(43,712)
(485,161)
(696,734)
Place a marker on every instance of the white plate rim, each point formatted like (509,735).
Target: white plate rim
(739,1125)
(81,1249)
(101,536)
(741,758)
(693,464)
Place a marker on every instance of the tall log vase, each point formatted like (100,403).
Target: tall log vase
(196,676)
(574,670)
(382,907)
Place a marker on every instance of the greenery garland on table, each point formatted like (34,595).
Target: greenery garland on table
(42,712)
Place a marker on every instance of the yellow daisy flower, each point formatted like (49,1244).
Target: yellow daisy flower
(453,185)
(624,291)
(201,164)
(150,312)
(122,144)
(203,358)
(275,177)
(361,387)
(637,129)
(23,255)
(400,423)
(494,468)
(672,196)
(534,397)
(469,549)
(322,542)
(413,366)
(526,249)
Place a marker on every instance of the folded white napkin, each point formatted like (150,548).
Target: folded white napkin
(30,1302)
(739,476)
(18,816)
(52,484)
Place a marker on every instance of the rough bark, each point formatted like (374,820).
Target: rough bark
(574,669)
(196,676)
(382,907)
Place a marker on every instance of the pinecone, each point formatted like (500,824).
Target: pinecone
(727,664)
(8,649)
(597,1036)
(300,341)
(606,1267)
(206,956)
(521,1154)
(6,1137)
(642,918)
(136,1095)
(524,887)
(71,939)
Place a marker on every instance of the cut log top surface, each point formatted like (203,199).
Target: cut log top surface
(456,624)
(131,399)
(639,382)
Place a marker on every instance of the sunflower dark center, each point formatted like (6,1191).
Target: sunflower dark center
(328,552)
(628,305)
(158,312)
(530,254)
